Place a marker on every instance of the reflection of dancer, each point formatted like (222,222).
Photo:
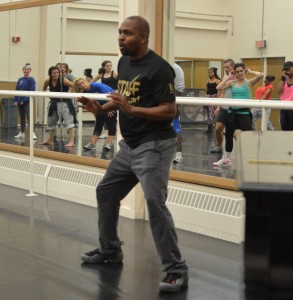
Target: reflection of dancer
(109,118)
(108,77)
(59,109)
(179,89)
(146,101)
(88,74)
(211,92)
(263,93)
(285,89)
(238,118)
(222,111)
(25,83)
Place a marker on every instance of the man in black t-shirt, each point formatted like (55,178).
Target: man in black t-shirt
(146,102)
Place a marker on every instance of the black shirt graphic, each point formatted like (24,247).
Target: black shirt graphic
(147,83)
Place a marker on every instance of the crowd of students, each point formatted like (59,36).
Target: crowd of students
(226,120)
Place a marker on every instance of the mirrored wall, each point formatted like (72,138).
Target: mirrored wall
(84,34)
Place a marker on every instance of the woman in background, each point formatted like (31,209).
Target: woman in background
(60,110)
(25,83)
(237,117)
(263,93)
(88,74)
(108,77)
(212,92)
(109,118)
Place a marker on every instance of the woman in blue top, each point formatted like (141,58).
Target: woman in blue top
(238,118)
(25,83)
(110,119)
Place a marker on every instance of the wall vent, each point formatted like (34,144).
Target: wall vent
(204,201)
(205,213)
(208,214)
(75,176)
(22,165)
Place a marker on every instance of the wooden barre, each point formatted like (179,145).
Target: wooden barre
(270,162)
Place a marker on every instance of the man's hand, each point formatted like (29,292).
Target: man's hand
(90,105)
(121,102)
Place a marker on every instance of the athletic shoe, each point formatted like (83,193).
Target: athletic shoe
(103,136)
(223,162)
(217,149)
(89,146)
(20,135)
(108,146)
(173,282)
(34,136)
(96,257)
(178,157)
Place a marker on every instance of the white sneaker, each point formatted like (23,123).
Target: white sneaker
(103,136)
(20,135)
(223,162)
(108,146)
(34,136)
(178,157)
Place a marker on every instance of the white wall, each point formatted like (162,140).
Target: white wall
(15,55)
(204,29)
(278,30)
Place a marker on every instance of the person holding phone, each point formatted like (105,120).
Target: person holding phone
(285,90)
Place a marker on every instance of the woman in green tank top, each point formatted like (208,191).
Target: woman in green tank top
(238,118)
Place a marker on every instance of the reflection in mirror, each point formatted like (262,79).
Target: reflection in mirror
(84,34)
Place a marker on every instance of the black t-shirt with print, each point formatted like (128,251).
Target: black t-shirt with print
(147,83)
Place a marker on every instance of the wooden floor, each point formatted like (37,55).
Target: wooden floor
(42,238)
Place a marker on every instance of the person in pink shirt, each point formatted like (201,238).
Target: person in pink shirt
(263,93)
(285,89)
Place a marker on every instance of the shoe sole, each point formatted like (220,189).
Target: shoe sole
(222,165)
(85,148)
(92,260)
(166,288)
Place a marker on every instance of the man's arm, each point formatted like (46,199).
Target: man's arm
(164,111)
(94,106)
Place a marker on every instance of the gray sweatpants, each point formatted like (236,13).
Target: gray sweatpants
(148,164)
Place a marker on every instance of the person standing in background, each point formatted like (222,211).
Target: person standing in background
(179,84)
(108,77)
(263,93)
(222,111)
(25,83)
(285,90)
(65,72)
(211,92)
(238,117)
(88,74)
(59,109)
(80,85)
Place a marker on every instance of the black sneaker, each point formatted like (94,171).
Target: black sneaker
(173,282)
(96,256)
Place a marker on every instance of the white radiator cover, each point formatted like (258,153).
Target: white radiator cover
(208,211)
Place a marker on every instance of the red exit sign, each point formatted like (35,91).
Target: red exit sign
(261,44)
